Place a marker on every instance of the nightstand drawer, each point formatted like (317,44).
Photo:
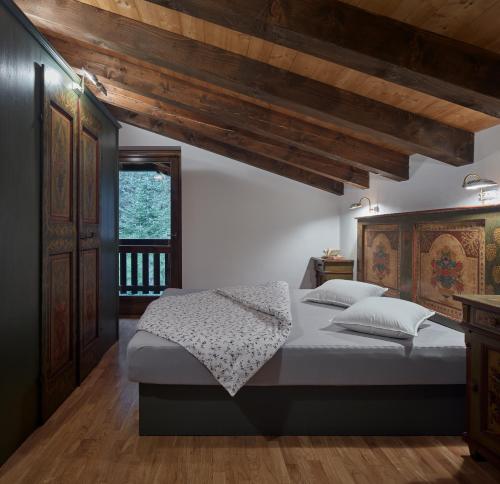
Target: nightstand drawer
(327,269)
(334,266)
(327,276)
(486,319)
(338,269)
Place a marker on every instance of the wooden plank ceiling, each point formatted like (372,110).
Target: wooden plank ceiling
(319,91)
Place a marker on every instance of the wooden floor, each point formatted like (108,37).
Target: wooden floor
(93,439)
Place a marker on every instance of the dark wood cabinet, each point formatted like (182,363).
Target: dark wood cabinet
(482,336)
(58,183)
(327,269)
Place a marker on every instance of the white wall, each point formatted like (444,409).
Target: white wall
(242,225)
(431,185)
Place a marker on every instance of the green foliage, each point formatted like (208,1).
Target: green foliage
(144,205)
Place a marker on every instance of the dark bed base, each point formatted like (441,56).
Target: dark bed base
(299,410)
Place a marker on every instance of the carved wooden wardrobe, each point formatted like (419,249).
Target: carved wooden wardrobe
(58,223)
(79,164)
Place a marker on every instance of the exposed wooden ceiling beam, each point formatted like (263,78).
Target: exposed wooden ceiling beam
(376,45)
(256,144)
(188,136)
(243,115)
(164,49)
(226,134)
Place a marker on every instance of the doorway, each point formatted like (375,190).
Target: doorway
(149,225)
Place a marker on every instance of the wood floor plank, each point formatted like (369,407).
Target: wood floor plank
(92,438)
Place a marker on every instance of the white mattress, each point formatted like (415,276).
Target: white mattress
(317,353)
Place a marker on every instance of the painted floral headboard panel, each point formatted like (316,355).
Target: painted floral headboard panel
(449,259)
(381,256)
(429,256)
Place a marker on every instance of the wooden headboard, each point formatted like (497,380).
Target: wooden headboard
(429,256)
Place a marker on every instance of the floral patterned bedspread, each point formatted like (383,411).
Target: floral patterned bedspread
(233,331)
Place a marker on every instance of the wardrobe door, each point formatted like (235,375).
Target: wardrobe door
(89,240)
(59,241)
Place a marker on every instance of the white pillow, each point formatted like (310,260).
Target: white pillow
(384,316)
(343,293)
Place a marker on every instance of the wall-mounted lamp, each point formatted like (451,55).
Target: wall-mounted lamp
(371,209)
(93,79)
(473,181)
(79,87)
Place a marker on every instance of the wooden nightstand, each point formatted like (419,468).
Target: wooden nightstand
(327,269)
(482,337)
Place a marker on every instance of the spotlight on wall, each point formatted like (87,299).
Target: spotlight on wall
(79,87)
(371,208)
(473,181)
(93,79)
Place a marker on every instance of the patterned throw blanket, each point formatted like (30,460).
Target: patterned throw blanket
(232,331)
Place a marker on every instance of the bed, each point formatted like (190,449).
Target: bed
(329,381)
(324,380)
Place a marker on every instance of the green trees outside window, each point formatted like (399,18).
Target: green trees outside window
(144,205)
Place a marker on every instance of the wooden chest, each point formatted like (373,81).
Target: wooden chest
(327,269)
(482,337)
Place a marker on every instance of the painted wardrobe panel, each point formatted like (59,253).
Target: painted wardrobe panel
(59,247)
(98,245)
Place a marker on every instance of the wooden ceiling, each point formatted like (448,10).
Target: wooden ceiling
(316,90)
(475,22)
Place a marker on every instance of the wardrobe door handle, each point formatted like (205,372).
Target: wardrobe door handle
(88,236)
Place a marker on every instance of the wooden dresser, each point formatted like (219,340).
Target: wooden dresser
(327,269)
(482,337)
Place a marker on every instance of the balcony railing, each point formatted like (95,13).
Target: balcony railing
(144,266)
